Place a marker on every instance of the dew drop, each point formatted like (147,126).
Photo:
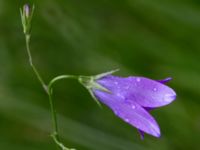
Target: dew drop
(127,120)
(133,106)
(121,96)
(155,89)
(138,79)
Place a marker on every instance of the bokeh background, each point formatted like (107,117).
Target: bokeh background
(151,38)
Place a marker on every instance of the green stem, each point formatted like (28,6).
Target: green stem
(48,89)
(27,36)
(53,115)
(60,144)
(60,77)
(50,93)
(53,112)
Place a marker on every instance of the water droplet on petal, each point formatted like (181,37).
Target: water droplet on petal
(133,106)
(121,96)
(155,89)
(127,120)
(138,79)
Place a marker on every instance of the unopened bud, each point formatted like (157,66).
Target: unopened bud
(26,16)
(26,10)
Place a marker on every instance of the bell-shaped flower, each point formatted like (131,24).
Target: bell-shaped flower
(131,98)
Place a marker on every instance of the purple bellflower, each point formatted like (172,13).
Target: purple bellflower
(131,98)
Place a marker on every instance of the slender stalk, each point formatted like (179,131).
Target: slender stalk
(53,112)
(49,90)
(60,77)
(50,93)
(27,36)
(54,116)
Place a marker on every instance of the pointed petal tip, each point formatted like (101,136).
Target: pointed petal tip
(156,132)
(141,133)
(170,97)
(168,78)
(165,80)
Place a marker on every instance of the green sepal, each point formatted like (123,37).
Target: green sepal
(105,74)
(89,82)
(26,18)
(95,99)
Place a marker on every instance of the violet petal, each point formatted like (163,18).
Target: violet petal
(141,134)
(132,113)
(163,81)
(146,92)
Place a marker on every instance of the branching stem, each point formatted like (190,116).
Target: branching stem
(49,90)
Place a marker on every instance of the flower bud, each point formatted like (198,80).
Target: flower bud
(26,17)
(26,10)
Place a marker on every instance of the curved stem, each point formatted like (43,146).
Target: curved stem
(60,144)
(48,89)
(53,112)
(60,77)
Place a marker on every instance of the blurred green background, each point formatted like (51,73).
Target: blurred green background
(151,38)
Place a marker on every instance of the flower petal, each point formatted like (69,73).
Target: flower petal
(132,113)
(141,134)
(163,81)
(144,91)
